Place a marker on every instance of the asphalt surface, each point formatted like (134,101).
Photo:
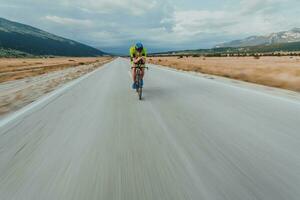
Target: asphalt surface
(190,138)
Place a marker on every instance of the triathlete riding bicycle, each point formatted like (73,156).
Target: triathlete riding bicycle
(138,54)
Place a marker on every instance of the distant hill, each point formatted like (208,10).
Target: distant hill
(273,38)
(11,53)
(30,40)
(285,47)
(264,49)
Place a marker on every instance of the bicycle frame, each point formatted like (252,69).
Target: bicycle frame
(138,79)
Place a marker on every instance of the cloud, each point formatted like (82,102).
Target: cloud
(258,6)
(131,7)
(160,24)
(192,22)
(248,17)
(69,21)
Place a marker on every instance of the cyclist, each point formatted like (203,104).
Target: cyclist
(138,54)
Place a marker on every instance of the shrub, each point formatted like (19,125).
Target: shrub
(256,57)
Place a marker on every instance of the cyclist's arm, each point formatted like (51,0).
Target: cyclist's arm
(135,59)
(144,56)
(132,55)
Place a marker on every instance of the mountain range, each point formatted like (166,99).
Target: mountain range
(32,41)
(290,36)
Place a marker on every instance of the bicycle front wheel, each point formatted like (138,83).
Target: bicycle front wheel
(140,93)
(137,80)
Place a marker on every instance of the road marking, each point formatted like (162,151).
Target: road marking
(27,110)
(244,86)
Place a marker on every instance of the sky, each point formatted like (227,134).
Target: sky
(114,25)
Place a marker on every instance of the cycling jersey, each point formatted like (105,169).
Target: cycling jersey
(135,54)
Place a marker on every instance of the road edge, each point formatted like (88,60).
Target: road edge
(274,92)
(45,99)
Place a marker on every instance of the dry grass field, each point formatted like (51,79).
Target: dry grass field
(15,68)
(23,81)
(282,72)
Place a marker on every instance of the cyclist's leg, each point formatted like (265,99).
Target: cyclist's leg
(142,72)
(133,71)
(143,69)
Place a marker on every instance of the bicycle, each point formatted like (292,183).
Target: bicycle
(138,79)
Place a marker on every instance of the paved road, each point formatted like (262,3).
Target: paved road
(190,138)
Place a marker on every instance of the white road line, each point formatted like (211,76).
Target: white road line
(45,99)
(179,144)
(244,87)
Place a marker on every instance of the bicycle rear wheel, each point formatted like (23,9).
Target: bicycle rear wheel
(140,91)
(139,83)
(137,79)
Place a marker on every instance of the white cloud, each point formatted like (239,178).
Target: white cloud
(132,7)
(259,6)
(160,23)
(192,22)
(248,17)
(69,21)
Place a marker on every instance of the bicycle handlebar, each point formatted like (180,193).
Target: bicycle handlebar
(140,67)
